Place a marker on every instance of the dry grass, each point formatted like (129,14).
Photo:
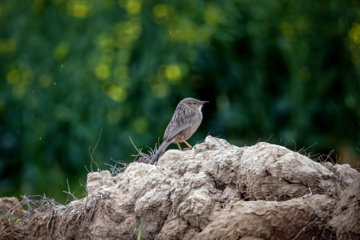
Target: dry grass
(49,213)
(144,157)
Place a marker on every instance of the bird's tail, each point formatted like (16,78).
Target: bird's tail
(160,151)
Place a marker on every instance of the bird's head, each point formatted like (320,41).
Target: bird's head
(193,103)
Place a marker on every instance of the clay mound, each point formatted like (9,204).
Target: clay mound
(215,191)
(346,218)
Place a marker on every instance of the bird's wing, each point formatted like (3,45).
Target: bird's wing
(179,123)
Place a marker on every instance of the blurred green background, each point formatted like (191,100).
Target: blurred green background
(283,71)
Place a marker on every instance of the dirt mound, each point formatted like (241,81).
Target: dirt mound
(215,191)
(346,217)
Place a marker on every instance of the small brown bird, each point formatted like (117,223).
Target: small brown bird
(184,123)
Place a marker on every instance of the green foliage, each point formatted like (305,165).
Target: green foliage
(139,233)
(286,69)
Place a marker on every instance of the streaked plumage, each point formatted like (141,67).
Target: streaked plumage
(184,123)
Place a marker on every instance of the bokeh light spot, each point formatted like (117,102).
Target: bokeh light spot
(288,31)
(63,113)
(38,6)
(354,33)
(161,10)
(160,90)
(18,91)
(78,9)
(7,46)
(45,80)
(102,71)
(106,42)
(126,32)
(117,93)
(173,73)
(140,125)
(133,7)
(13,76)
(212,15)
(61,51)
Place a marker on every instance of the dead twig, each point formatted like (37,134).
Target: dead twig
(69,192)
(143,157)
(119,167)
(92,153)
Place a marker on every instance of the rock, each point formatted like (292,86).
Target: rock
(346,217)
(214,191)
(270,219)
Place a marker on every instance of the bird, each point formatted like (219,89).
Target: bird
(184,123)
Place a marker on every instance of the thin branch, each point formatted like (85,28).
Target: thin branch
(143,157)
(295,145)
(92,153)
(267,140)
(69,192)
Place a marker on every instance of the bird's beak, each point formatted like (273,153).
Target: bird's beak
(203,102)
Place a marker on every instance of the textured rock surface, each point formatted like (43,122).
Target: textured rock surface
(270,219)
(215,191)
(346,217)
(11,205)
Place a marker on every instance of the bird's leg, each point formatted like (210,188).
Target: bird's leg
(179,146)
(190,147)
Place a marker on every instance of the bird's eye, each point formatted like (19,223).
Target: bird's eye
(194,103)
